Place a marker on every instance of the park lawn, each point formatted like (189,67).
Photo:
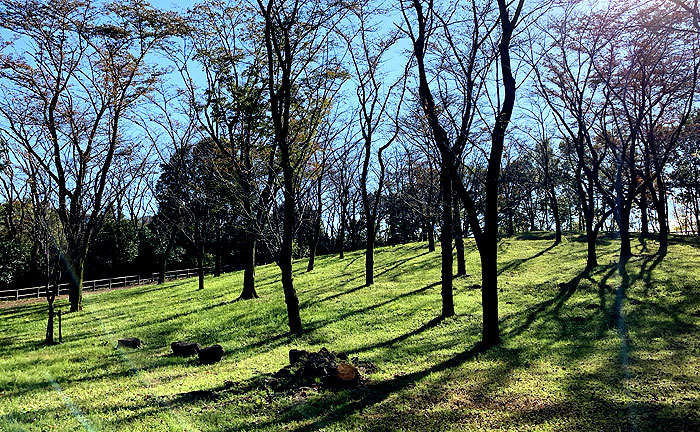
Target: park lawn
(567,362)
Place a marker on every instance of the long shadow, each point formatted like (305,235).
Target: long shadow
(553,305)
(380,391)
(315,325)
(646,272)
(334,296)
(658,414)
(693,241)
(387,343)
(601,240)
(22,311)
(536,235)
(399,263)
(336,407)
(518,262)
(169,318)
(351,262)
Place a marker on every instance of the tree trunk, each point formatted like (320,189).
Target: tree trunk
(696,204)
(488,252)
(591,234)
(369,253)
(489,294)
(557,217)
(625,239)
(587,212)
(50,297)
(217,260)
(200,263)
(459,238)
(353,228)
(643,209)
(489,255)
(510,230)
(75,270)
(341,236)
(166,255)
(314,242)
(291,300)
(317,224)
(431,235)
(662,216)
(448,308)
(249,269)
(312,257)
(285,256)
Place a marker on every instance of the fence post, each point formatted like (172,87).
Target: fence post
(138,279)
(17,294)
(37,291)
(124,281)
(110,284)
(93,285)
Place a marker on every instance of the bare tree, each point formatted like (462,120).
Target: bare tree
(230,109)
(468,61)
(566,80)
(543,154)
(649,75)
(344,176)
(486,238)
(666,79)
(303,76)
(67,97)
(368,51)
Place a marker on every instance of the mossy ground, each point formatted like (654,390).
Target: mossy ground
(567,361)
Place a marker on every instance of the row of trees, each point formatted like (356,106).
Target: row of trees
(274,129)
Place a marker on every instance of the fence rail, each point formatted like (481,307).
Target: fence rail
(99,284)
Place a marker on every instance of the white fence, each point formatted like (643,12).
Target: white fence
(98,284)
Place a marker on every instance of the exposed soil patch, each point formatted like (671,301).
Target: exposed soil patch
(307,373)
(320,370)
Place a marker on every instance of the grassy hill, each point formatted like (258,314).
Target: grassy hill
(568,361)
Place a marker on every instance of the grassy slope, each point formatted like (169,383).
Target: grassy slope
(560,366)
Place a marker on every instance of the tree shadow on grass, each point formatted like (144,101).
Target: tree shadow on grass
(552,306)
(380,391)
(601,240)
(693,241)
(398,264)
(335,407)
(334,296)
(351,262)
(513,264)
(176,317)
(536,235)
(310,327)
(23,311)
(390,342)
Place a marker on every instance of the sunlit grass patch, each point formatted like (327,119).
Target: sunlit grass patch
(559,367)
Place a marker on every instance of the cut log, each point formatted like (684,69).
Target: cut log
(130,342)
(185,349)
(211,354)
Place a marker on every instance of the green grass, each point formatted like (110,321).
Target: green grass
(560,367)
